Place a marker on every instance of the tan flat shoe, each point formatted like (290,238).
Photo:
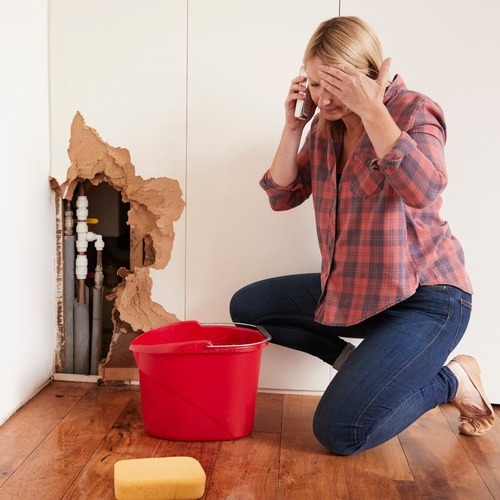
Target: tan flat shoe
(481,424)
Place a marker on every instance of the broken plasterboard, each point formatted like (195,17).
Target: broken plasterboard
(155,204)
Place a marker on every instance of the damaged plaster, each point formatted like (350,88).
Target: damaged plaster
(155,204)
(133,301)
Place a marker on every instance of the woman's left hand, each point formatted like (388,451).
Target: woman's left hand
(356,90)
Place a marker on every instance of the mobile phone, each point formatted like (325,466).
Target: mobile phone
(303,107)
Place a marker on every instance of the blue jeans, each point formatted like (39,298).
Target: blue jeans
(393,377)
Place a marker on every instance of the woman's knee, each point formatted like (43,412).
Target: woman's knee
(253,302)
(241,305)
(335,435)
(235,307)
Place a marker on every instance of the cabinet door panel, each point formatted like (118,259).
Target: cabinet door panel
(448,50)
(241,59)
(122,65)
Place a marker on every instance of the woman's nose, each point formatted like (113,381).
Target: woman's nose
(325,98)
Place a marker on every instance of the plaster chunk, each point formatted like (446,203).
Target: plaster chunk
(132,299)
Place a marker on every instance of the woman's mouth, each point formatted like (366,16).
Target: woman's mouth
(330,111)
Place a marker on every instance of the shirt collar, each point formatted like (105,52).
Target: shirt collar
(397,85)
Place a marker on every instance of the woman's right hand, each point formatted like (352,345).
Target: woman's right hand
(284,167)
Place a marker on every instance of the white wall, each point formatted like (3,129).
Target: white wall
(27,319)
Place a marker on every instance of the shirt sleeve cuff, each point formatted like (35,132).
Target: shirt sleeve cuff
(268,182)
(403,146)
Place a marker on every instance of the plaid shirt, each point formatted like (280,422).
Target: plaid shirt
(379,229)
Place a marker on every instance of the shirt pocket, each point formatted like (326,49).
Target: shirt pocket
(366,180)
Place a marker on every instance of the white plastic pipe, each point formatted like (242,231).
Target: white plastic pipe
(99,242)
(81,266)
(82,228)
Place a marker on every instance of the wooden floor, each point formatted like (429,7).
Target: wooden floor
(64,443)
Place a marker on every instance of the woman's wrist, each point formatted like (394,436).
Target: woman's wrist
(381,129)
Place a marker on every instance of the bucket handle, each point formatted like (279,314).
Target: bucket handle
(264,333)
(175,347)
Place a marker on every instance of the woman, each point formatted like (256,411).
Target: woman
(392,272)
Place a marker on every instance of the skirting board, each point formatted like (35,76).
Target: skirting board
(73,377)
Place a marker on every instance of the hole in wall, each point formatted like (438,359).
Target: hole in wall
(135,219)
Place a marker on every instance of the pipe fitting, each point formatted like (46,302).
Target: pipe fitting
(81,267)
(97,238)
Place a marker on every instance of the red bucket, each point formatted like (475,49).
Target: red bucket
(199,382)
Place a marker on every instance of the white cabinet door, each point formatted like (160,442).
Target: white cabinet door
(241,59)
(122,65)
(449,51)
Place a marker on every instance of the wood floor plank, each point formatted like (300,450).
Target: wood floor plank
(439,464)
(307,470)
(246,468)
(386,461)
(58,388)
(126,440)
(388,489)
(29,426)
(268,412)
(483,452)
(53,466)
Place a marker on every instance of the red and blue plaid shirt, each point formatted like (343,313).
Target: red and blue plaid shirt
(379,229)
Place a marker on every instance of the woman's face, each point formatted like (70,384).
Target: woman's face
(329,105)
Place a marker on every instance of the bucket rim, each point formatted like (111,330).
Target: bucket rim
(200,345)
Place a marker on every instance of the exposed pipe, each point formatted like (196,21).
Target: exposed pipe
(81,306)
(87,351)
(69,287)
(97,305)
(82,229)
(82,335)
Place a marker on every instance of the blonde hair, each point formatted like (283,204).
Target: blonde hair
(345,39)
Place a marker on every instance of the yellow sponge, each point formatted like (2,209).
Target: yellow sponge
(164,478)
